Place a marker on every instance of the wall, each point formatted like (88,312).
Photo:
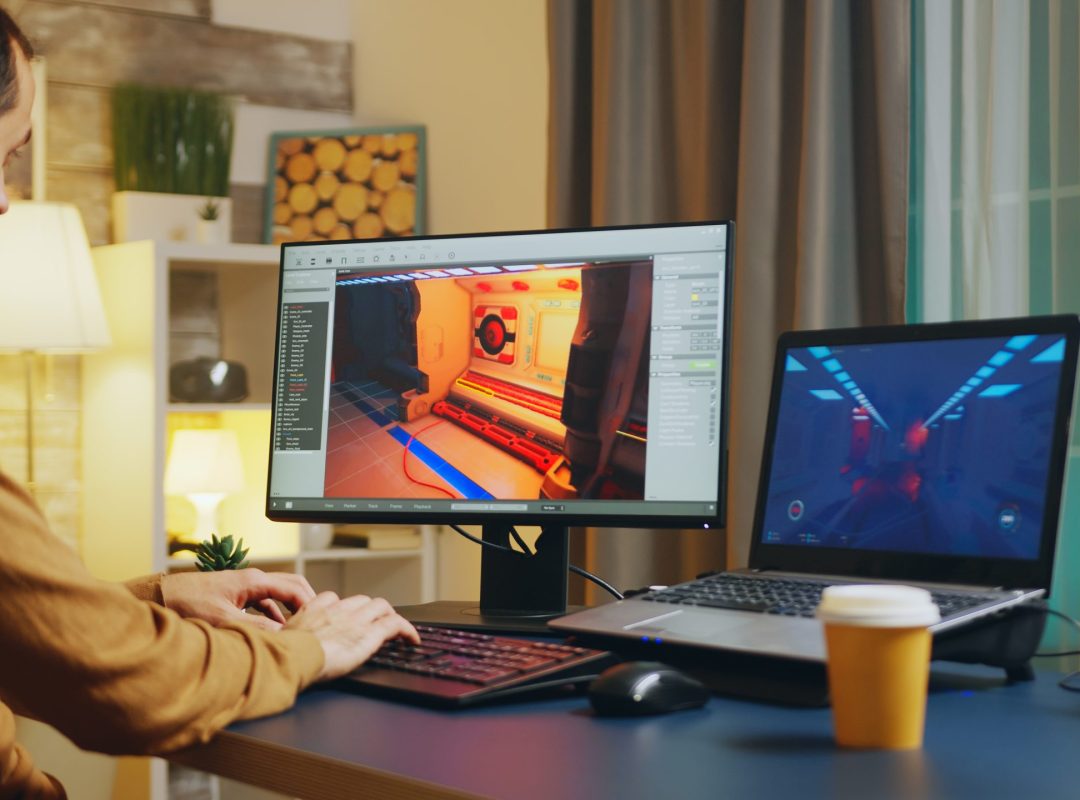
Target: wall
(474,72)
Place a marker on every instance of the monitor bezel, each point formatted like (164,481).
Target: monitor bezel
(568,518)
(898,565)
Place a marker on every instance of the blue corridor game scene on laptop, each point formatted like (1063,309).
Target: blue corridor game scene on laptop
(924,446)
(927,454)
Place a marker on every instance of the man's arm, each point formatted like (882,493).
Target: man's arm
(19,778)
(147,588)
(220,597)
(119,675)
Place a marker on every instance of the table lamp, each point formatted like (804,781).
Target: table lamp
(204,465)
(49,299)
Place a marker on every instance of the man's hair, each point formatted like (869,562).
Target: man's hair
(10,38)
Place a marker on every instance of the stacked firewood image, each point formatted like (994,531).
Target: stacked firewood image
(345,187)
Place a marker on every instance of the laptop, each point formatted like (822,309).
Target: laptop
(929,455)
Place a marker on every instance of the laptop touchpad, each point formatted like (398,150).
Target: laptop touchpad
(679,623)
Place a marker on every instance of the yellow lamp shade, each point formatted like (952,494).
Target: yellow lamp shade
(50,300)
(204,461)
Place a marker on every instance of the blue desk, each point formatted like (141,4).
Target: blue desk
(983,740)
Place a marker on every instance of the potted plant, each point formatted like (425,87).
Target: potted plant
(209,229)
(171,151)
(221,554)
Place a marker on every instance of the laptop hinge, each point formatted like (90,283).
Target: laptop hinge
(971,587)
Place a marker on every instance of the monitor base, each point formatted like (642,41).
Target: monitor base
(467,615)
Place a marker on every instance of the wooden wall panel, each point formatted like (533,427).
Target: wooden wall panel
(78,131)
(178,8)
(247,215)
(101,46)
(89,189)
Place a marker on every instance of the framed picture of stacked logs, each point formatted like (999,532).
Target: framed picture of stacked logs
(364,183)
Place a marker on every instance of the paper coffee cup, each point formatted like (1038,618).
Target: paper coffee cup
(878,646)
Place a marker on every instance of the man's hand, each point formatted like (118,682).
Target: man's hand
(350,630)
(219,597)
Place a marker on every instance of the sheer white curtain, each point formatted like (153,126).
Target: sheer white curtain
(976,222)
(995,183)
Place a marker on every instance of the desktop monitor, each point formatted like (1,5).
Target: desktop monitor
(552,378)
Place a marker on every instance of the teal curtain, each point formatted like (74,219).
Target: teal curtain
(994,186)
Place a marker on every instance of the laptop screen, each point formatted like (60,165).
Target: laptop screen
(945,446)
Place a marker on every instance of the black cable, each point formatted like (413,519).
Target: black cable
(520,541)
(1066,685)
(472,538)
(1066,682)
(597,580)
(1075,623)
(573,568)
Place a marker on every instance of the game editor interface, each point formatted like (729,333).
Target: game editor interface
(529,372)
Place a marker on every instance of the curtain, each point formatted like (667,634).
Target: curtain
(995,180)
(788,117)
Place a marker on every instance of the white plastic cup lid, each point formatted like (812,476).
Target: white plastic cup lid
(878,605)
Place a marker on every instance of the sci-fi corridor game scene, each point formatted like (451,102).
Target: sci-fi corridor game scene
(476,386)
(937,447)
(563,374)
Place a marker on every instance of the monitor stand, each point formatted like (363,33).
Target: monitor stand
(519,592)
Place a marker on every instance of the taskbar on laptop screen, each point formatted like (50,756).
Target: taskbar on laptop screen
(567,375)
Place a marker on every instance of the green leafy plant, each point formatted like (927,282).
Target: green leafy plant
(171,140)
(209,210)
(220,554)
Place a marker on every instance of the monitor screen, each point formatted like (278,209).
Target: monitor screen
(567,377)
(938,447)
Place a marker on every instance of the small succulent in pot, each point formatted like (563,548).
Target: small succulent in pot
(221,554)
(210,210)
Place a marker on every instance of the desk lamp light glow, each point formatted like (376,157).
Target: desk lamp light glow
(205,466)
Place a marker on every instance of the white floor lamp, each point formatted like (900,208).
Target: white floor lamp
(49,299)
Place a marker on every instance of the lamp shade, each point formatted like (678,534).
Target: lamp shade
(49,299)
(204,461)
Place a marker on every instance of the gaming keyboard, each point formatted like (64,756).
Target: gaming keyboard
(452,667)
(796,598)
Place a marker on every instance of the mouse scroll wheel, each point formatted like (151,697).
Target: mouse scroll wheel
(643,686)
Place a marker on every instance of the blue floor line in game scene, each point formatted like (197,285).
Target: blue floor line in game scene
(439,465)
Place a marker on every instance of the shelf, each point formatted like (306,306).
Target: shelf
(353,553)
(214,408)
(158,316)
(334,554)
(221,253)
(284,558)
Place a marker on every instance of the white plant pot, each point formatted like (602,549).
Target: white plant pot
(165,217)
(316,536)
(211,231)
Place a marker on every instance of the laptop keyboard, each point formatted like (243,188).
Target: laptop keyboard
(794,598)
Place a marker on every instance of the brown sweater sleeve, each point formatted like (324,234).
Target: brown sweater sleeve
(117,674)
(147,588)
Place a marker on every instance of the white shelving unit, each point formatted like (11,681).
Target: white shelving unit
(130,418)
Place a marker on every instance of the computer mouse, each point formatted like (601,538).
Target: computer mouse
(645,687)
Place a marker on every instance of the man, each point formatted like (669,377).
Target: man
(163,662)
